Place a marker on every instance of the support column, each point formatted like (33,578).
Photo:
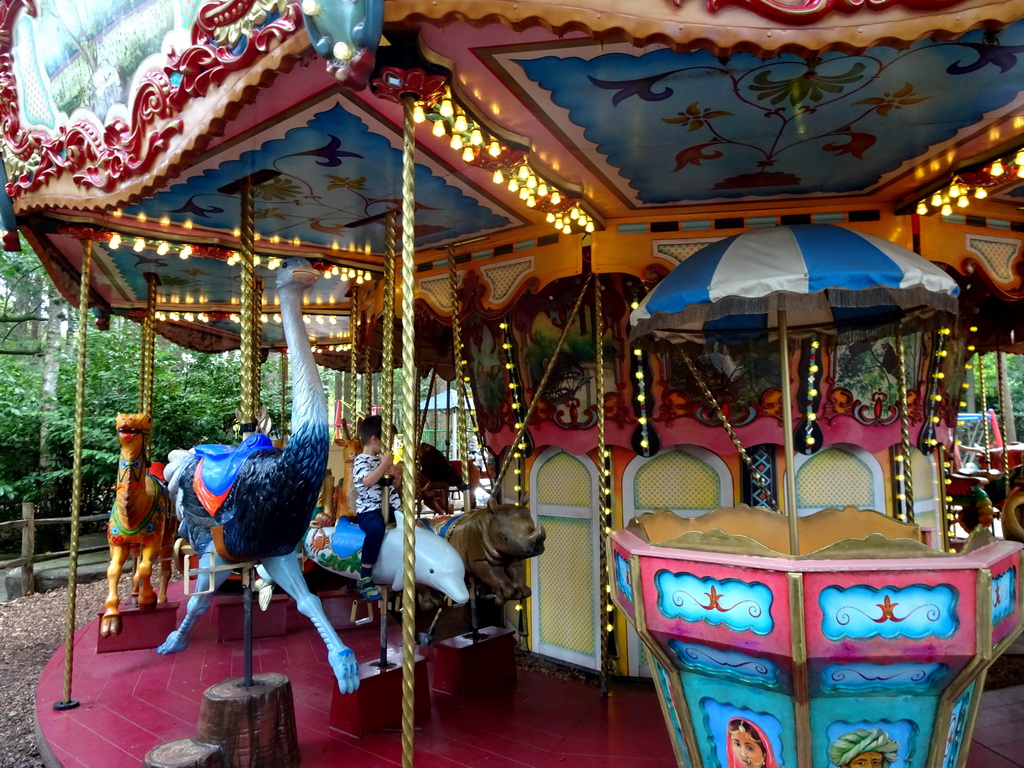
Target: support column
(76,478)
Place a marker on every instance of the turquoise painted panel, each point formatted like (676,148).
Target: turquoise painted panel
(742,125)
(736,604)
(914,612)
(1004,595)
(665,692)
(868,678)
(906,720)
(333,173)
(957,726)
(623,577)
(730,664)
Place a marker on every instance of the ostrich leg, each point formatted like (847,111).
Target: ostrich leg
(197,604)
(285,571)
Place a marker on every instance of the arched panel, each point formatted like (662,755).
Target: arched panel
(839,476)
(688,480)
(564,616)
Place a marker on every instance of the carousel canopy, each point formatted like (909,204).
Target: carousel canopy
(825,276)
(140,119)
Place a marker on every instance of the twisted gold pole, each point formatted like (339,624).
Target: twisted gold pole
(985,432)
(250,359)
(257,345)
(604,489)
(409,429)
(76,477)
(387,360)
(353,360)
(1001,376)
(147,347)
(906,468)
(541,386)
(720,415)
(284,391)
(462,425)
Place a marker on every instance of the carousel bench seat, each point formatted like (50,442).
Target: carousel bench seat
(770,529)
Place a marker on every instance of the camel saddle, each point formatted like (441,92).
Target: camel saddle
(219,466)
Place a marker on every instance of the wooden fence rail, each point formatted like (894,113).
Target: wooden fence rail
(28,524)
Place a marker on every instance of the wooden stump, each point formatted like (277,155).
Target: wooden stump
(185,753)
(255,726)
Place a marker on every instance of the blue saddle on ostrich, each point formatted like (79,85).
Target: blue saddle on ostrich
(219,466)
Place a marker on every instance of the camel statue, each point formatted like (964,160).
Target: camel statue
(255,502)
(137,520)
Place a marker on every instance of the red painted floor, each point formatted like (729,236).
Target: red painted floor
(133,700)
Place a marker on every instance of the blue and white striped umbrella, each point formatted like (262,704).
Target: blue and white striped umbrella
(824,276)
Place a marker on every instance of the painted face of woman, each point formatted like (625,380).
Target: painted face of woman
(746,751)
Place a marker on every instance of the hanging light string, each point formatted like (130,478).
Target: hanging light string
(542,385)
(945,513)
(1001,376)
(755,475)
(810,415)
(604,484)
(934,397)
(905,474)
(515,385)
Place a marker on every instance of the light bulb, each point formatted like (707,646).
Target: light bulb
(456,142)
(461,125)
(524,172)
(980,193)
(494,149)
(476,138)
(555,197)
(498,178)
(446,108)
(922,209)
(513,185)
(997,169)
(418,115)
(963,201)
(542,189)
(936,200)
(185,252)
(438,128)
(139,245)
(468,156)
(954,190)
(947,209)
(115,241)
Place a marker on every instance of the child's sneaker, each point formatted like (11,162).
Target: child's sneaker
(367,588)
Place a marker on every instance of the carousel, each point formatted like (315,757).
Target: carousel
(708,282)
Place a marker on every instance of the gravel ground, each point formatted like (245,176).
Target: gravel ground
(32,628)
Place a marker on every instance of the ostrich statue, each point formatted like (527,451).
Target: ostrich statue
(255,502)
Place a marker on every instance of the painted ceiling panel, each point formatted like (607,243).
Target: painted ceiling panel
(678,127)
(333,172)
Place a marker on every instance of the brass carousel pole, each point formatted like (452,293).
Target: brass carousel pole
(353,360)
(787,435)
(147,347)
(408,428)
(906,465)
(1001,378)
(461,428)
(387,366)
(250,351)
(76,478)
(985,432)
(284,391)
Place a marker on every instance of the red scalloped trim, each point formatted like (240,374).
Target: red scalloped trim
(100,158)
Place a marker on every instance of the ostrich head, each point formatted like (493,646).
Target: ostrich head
(296,274)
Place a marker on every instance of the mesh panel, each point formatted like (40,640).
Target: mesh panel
(564,481)
(997,255)
(923,470)
(676,480)
(680,251)
(504,277)
(566,576)
(835,478)
(439,290)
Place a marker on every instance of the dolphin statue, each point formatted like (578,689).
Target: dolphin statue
(438,564)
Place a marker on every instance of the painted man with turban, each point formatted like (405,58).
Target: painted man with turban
(864,749)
